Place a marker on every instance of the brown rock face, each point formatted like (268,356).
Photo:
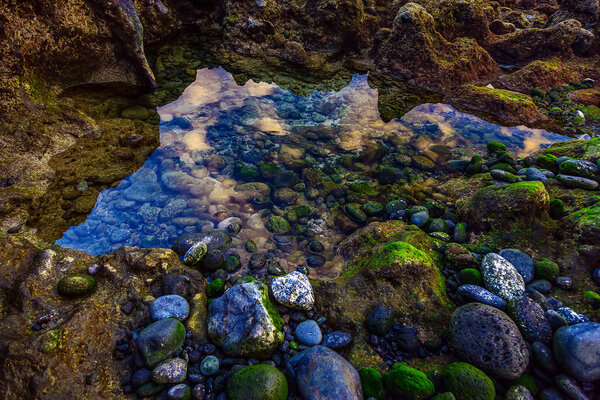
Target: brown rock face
(416,52)
(72,355)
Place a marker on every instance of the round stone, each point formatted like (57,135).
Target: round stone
(232,263)
(477,294)
(285,197)
(316,247)
(210,366)
(170,333)
(315,260)
(523,263)
(577,350)
(501,277)
(355,212)
(258,382)
(337,340)
(74,285)
(419,218)
(179,392)
(169,306)
(195,253)
(257,261)
(212,261)
(487,338)
(172,370)
(309,333)
(531,319)
(293,291)
(277,225)
(380,320)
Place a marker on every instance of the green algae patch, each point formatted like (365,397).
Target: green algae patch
(372,383)
(467,382)
(51,341)
(587,223)
(258,382)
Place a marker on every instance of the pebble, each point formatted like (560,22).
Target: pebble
(169,306)
(420,218)
(474,293)
(380,320)
(501,277)
(337,340)
(309,333)
(564,282)
(141,377)
(294,291)
(523,263)
(545,357)
(179,392)
(209,366)
(173,370)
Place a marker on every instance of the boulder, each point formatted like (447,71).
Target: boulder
(501,277)
(257,382)
(577,350)
(293,291)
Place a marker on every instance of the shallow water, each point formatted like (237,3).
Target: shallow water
(182,188)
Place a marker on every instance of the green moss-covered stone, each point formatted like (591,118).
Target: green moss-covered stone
(355,212)
(547,161)
(277,225)
(592,113)
(546,269)
(592,298)
(504,167)
(50,341)
(404,382)
(470,276)
(467,382)
(74,285)
(557,208)
(160,340)
(372,383)
(215,289)
(245,173)
(474,165)
(258,382)
(527,381)
(494,147)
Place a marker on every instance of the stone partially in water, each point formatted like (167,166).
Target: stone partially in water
(487,338)
(244,322)
(160,340)
(195,253)
(214,240)
(294,291)
(74,285)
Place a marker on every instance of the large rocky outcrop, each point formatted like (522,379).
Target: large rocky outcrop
(414,51)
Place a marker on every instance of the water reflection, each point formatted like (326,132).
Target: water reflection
(218,130)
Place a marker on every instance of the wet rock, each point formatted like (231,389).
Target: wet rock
(321,373)
(160,340)
(169,306)
(522,262)
(404,382)
(487,338)
(285,197)
(380,320)
(467,382)
(173,370)
(518,392)
(244,322)
(212,261)
(473,293)
(315,260)
(74,285)
(355,212)
(544,355)
(577,350)
(214,240)
(501,277)
(210,366)
(581,168)
(293,291)
(256,382)
(257,261)
(277,225)
(419,218)
(179,392)
(195,253)
(531,319)
(337,340)
(577,182)
(309,333)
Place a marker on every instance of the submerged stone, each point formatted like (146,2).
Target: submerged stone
(74,285)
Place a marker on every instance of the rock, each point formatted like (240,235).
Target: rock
(355,212)
(380,320)
(586,224)
(577,182)
(252,190)
(210,366)
(173,370)
(487,338)
(577,350)
(309,333)
(404,382)
(257,382)
(321,373)
(518,392)
(179,392)
(473,293)
(534,174)
(214,240)
(285,197)
(212,261)
(522,262)
(169,306)
(543,354)
(74,285)
(499,206)
(277,225)
(293,291)
(160,340)
(501,277)
(175,284)
(141,377)
(503,176)
(257,261)
(546,269)
(215,289)
(244,322)
(581,168)
(195,253)
(571,387)
(467,382)
(419,218)
(337,340)
(372,384)
(531,319)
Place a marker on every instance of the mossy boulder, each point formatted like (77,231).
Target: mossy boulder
(257,382)
(74,285)
(586,223)
(160,340)
(215,289)
(407,383)
(495,147)
(546,269)
(467,382)
(277,225)
(500,206)
(372,383)
(557,208)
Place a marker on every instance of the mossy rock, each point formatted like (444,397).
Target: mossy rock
(277,225)
(546,269)
(586,223)
(495,147)
(592,113)
(245,173)
(406,383)
(547,161)
(557,208)
(467,382)
(372,383)
(474,166)
(74,285)
(527,381)
(470,276)
(215,289)
(504,167)
(592,298)
(258,382)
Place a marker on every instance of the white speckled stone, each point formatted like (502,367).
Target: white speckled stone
(294,291)
(501,277)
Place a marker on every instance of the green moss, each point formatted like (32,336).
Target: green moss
(557,208)
(404,382)
(547,161)
(526,380)
(372,383)
(494,147)
(504,167)
(592,298)
(75,284)
(258,382)
(245,173)
(546,269)
(468,383)
(592,113)
(271,308)
(215,289)
(399,252)
(277,225)
(470,276)
(474,165)
(50,341)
